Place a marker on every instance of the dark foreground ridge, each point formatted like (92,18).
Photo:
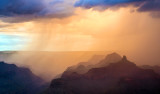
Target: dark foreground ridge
(17,80)
(121,77)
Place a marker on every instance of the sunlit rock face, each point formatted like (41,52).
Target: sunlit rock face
(17,80)
(121,77)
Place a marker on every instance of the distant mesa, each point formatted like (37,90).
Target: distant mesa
(114,57)
(92,61)
(110,58)
(84,67)
(116,76)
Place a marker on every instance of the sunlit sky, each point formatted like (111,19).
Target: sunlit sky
(12,42)
(79,25)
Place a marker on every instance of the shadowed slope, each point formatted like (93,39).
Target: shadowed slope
(16,80)
(123,77)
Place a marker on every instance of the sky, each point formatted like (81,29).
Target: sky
(12,42)
(79,25)
(75,28)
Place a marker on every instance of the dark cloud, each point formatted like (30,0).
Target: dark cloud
(25,10)
(142,5)
(107,3)
(20,7)
(150,5)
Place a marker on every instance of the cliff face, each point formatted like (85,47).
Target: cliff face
(17,80)
(122,77)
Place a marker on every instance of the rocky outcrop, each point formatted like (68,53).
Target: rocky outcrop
(111,58)
(84,67)
(122,77)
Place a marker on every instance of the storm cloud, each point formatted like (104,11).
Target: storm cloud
(142,5)
(150,5)
(24,10)
(20,7)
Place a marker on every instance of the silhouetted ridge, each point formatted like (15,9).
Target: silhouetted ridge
(17,80)
(111,58)
(156,68)
(121,68)
(121,77)
(93,60)
(84,67)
